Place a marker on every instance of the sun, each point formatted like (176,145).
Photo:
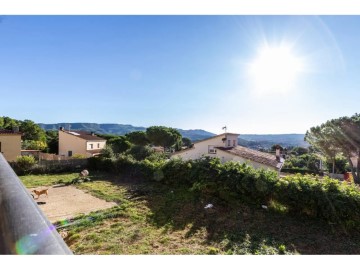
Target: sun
(275,70)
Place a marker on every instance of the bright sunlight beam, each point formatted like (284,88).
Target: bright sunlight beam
(275,70)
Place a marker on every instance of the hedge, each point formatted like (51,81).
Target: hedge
(334,201)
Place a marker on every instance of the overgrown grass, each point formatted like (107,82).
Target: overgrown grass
(31,181)
(154,218)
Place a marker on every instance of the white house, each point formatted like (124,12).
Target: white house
(225,146)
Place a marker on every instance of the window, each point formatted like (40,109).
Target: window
(70,153)
(211,149)
(98,145)
(234,143)
(91,146)
(229,142)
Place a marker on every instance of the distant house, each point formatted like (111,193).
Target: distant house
(79,142)
(10,144)
(225,146)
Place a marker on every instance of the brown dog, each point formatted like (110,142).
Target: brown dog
(40,192)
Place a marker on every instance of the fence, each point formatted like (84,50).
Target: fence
(24,229)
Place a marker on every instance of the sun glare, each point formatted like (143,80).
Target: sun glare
(275,70)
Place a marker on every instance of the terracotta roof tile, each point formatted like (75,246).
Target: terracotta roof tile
(4,131)
(253,155)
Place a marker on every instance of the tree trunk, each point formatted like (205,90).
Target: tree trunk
(357,180)
(354,174)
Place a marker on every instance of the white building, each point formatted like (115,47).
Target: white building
(225,146)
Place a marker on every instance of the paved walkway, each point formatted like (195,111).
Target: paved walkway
(67,201)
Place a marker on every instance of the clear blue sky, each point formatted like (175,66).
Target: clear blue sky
(185,72)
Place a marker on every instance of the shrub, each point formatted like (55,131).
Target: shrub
(24,164)
(140,152)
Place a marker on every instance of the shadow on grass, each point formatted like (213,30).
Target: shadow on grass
(236,229)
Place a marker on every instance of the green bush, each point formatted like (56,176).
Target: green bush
(24,164)
(334,201)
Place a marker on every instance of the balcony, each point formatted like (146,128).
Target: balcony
(24,229)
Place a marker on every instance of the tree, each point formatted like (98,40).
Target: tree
(186,142)
(164,136)
(52,140)
(299,151)
(339,135)
(8,123)
(138,138)
(32,131)
(119,144)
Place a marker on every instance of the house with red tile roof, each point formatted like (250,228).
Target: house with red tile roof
(10,144)
(77,142)
(225,147)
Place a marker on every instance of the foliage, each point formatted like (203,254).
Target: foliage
(338,136)
(298,151)
(107,152)
(52,141)
(8,123)
(163,136)
(341,164)
(119,144)
(186,142)
(32,134)
(309,162)
(32,131)
(24,164)
(140,152)
(138,138)
(33,145)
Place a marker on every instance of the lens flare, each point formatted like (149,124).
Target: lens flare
(29,244)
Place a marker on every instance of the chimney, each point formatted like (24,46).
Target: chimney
(61,128)
(92,133)
(277,154)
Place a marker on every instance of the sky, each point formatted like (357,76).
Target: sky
(253,74)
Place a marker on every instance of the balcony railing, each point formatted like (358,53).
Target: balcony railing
(24,229)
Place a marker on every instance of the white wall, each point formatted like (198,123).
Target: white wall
(202,149)
(95,145)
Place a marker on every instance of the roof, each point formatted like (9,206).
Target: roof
(95,151)
(85,135)
(9,132)
(191,148)
(253,155)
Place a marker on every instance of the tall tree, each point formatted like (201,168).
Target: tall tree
(341,135)
(32,131)
(119,144)
(163,136)
(138,138)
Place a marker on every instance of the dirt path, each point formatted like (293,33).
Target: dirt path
(67,201)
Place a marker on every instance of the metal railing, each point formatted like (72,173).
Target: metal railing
(24,229)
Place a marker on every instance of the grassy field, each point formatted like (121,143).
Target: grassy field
(152,218)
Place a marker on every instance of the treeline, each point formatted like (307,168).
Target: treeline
(33,136)
(138,143)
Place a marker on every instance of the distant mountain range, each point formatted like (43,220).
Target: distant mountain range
(254,141)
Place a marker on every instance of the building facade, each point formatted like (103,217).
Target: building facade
(225,147)
(10,144)
(79,143)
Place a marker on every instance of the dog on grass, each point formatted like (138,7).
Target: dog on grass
(40,192)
